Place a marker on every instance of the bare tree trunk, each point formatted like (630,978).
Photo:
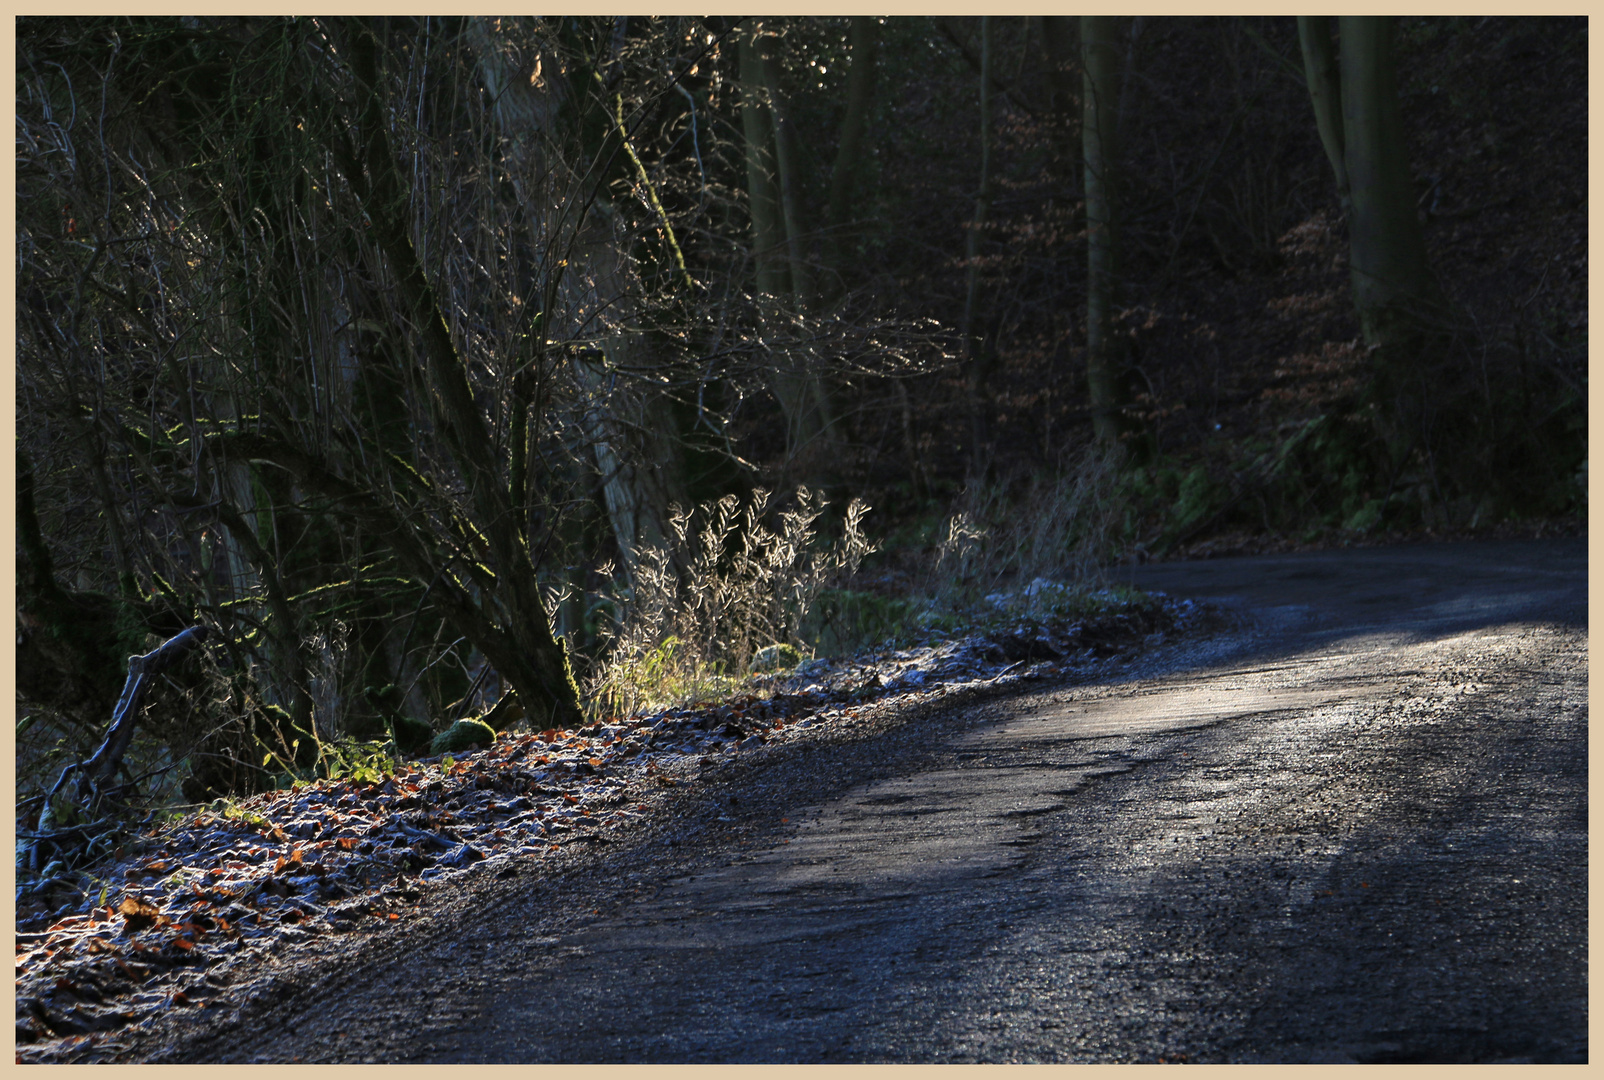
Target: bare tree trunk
(801,399)
(863,39)
(785,155)
(768,237)
(1104,377)
(974,341)
(640,459)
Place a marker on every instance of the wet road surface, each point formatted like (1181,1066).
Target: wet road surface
(1351,829)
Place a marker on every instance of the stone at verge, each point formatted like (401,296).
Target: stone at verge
(775,658)
(461,735)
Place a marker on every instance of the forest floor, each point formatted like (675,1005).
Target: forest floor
(1347,825)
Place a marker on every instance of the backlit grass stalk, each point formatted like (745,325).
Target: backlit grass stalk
(690,635)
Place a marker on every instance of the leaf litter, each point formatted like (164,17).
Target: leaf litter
(188,907)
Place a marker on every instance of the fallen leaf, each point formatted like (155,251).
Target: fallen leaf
(138,914)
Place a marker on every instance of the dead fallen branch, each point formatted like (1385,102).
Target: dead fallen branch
(102,765)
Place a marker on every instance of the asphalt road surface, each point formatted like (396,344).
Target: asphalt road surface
(1352,826)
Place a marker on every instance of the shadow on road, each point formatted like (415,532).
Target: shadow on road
(1353,832)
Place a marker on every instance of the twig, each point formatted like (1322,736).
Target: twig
(425,835)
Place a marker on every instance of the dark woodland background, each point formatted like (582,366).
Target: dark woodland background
(386,349)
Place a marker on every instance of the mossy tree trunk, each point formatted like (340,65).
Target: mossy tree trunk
(1353,84)
(507,621)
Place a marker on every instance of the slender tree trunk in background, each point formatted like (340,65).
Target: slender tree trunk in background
(790,183)
(1061,48)
(1401,308)
(794,390)
(762,196)
(787,156)
(1100,86)
(863,39)
(639,456)
(1325,90)
(974,340)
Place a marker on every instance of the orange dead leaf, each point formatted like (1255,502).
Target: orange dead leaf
(139,914)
